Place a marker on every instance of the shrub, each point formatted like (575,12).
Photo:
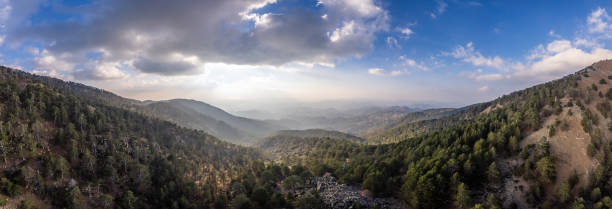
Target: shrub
(26,204)
(3,200)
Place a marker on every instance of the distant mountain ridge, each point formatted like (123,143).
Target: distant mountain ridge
(203,116)
(184,112)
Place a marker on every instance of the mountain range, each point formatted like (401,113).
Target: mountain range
(67,145)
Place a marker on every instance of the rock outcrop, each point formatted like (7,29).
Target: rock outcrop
(341,196)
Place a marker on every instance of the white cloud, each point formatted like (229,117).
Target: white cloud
(599,21)
(483,88)
(479,75)
(440,8)
(552,33)
(365,8)
(101,71)
(547,61)
(48,62)
(347,30)
(560,59)
(489,77)
(559,46)
(376,71)
(383,72)
(392,42)
(586,42)
(407,62)
(468,54)
(406,32)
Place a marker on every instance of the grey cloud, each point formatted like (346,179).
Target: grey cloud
(211,30)
(165,68)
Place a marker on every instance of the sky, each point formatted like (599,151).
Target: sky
(258,54)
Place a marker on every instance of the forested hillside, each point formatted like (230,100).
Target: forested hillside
(59,150)
(295,147)
(202,116)
(186,113)
(543,147)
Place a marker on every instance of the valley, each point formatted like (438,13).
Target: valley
(545,146)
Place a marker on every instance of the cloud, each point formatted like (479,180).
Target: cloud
(142,33)
(553,34)
(599,21)
(383,72)
(407,62)
(478,75)
(392,42)
(468,54)
(559,58)
(101,71)
(406,32)
(545,62)
(441,8)
(548,61)
(489,77)
(165,67)
(483,89)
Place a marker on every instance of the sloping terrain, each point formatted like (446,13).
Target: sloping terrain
(543,147)
(422,122)
(61,151)
(202,116)
(293,147)
(576,127)
(320,133)
(186,113)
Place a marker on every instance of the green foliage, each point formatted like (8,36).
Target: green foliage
(546,170)
(573,179)
(107,201)
(578,204)
(462,198)
(551,130)
(75,199)
(375,183)
(293,182)
(58,131)
(595,194)
(591,150)
(564,193)
(260,195)
(3,200)
(607,201)
(493,173)
(242,202)
(10,188)
(129,200)
(309,201)
(26,204)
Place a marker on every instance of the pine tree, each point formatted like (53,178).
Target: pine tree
(462,198)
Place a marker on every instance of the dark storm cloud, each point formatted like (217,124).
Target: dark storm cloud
(150,33)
